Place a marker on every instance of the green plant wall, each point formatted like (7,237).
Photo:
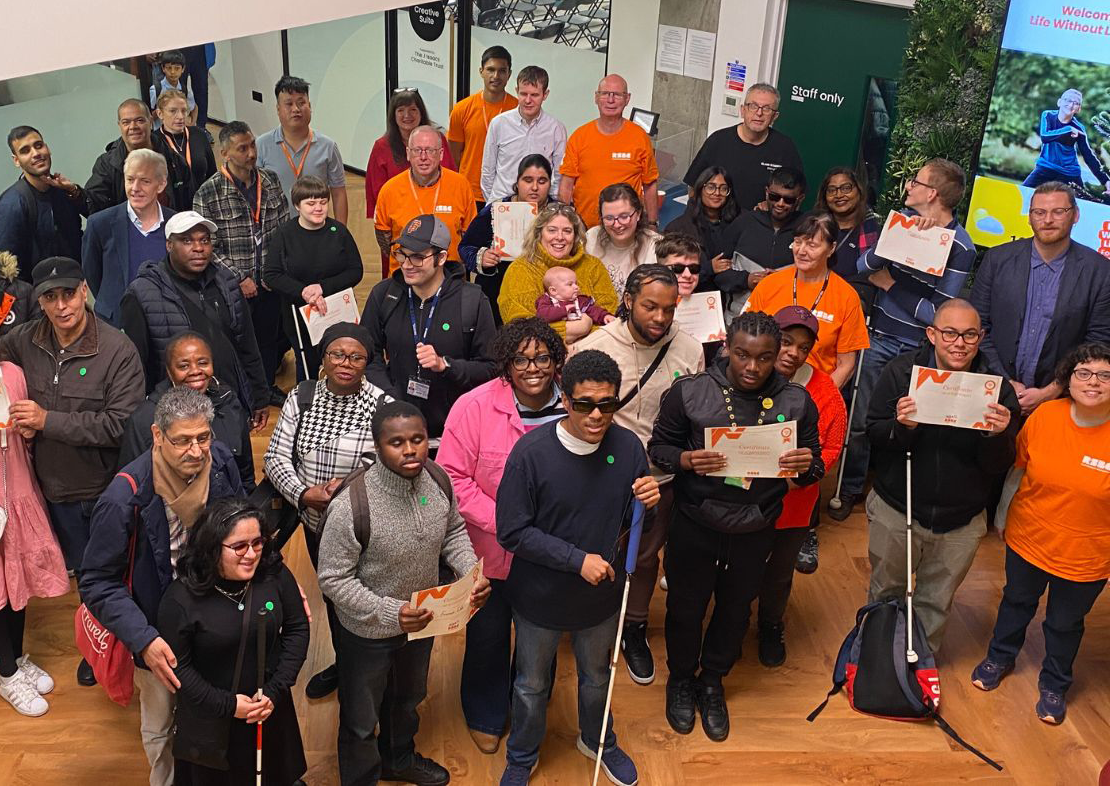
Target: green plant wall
(944,89)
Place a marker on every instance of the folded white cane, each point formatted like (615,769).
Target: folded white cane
(269,606)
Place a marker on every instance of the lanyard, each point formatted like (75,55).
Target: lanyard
(820,294)
(304,156)
(500,109)
(416,199)
(173,145)
(258,202)
(417,339)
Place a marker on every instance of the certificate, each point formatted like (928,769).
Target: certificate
(341,308)
(953,398)
(511,221)
(753,451)
(700,315)
(741,262)
(921,249)
(449,603)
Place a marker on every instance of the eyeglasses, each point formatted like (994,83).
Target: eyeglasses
(761,109)
(681,267)
(520,362)
(949,335)
(786,199)
(187,442)
(713,188)
(915,182)
(240,548)
(425,151)
(610,94)
(416,260)
(1085,374)
(623,218)
(843,188)
(1040,214)
(339,358)
(584,406)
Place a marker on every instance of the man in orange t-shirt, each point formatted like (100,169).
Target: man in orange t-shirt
(837,308)
(606,151)
(426,188)
(470,118)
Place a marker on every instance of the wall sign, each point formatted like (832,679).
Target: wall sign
(428,19)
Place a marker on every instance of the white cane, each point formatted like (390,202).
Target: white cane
(835,503)
(300,341)
(911,656)
(629,568)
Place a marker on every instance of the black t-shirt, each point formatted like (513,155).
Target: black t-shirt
(748,165)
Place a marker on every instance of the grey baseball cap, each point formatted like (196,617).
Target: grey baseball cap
(425,232)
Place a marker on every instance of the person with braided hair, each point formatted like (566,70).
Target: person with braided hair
(722,529)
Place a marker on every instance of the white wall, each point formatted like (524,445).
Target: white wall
(749,31)
(632,37)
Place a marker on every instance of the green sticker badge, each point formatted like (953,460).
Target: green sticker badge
(333,229)
(446,325)
(781,418)
(423,500)
(83,371)
(610,458)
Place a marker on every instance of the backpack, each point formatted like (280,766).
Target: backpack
(881,676)
(396,292)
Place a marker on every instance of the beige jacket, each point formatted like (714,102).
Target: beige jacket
(684,357)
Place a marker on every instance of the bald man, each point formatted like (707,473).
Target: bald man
(954,470)
(606,151)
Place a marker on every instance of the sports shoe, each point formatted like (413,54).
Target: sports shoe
(807,555)
(614,763)
(714,712)
(39,679)
(516,775)
(681,710)
(847,503)
(988,674)
(1052,706)
(322,683)
(772,648)
(637,654)
(422,772)
(21,694)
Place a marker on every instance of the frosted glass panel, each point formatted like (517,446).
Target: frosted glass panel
(427,65)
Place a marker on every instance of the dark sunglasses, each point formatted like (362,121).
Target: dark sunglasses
(784,198)
(678,269)
(584,406)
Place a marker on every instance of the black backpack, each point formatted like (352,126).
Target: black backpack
(396,293)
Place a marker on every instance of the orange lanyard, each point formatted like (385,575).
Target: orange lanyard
(258,205)
(435,197)
(304,156)
(500,109)
(173,145)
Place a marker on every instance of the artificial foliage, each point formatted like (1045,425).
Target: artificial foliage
(944,90)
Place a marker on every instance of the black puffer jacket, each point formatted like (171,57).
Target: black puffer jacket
(693,404)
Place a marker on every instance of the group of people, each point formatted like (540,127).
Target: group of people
(514,419)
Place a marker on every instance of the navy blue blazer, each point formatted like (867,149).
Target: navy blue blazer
(104,258)
(1082,305)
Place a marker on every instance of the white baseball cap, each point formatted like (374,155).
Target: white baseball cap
(182,222)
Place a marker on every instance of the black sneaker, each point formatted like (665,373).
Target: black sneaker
(322,683)
(680,705)
(847,503)
(637,654)
(807,555)
(422,772)
(277,397)
(85,674)
(772,649)
(714,712)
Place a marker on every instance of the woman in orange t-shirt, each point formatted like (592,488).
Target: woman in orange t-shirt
(1057,527)
(810,284)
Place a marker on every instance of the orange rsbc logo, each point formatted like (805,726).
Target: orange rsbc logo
(436,593)
(724,432)
(897,219)
(931,375)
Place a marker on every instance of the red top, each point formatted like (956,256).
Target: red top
(381,167)
(832,422)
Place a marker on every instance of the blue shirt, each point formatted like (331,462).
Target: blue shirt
(1059,147)
(1040,304)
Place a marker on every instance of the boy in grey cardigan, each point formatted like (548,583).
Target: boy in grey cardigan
(412,523)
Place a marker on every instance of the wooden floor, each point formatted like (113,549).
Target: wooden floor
(85,739)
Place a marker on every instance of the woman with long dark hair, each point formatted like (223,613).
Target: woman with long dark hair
(843,194)
(710,218)
(211,616)
(623,239)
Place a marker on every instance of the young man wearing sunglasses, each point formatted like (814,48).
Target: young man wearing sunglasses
(765,235)
(563,506)
(432,330)
(652,353)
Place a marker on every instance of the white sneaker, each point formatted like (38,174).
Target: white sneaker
(19,693)
(39,679)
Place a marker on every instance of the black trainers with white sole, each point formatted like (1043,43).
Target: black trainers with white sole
(637,653)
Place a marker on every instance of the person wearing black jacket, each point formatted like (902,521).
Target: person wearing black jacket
(712,218)
(105,185)
(188,151)
(954,470)
(723,529)
(766,237)
(432,330)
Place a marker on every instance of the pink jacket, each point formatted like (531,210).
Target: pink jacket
(481,429)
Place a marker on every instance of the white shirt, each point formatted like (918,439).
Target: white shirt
(509,140)
(578,447)
(131,214)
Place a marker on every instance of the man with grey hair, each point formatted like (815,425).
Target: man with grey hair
(749,151)
(154,500)
(118,240)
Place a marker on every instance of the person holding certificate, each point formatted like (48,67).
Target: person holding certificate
(624,239)
(722,528)
(1054,509)
(954,470)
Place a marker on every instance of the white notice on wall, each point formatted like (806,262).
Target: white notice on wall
(670,50)
(698,62)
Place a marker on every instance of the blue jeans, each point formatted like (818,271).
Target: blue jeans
(535,647)
(883,349)
(487,682)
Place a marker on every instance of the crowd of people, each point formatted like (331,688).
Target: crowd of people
(510,410)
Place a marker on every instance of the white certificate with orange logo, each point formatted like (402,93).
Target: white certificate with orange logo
(953,398)
(701,316)
(511,221)
(449,603)
(341,308)
(921,249)
(753,451)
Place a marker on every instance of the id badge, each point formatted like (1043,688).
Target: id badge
(418,388)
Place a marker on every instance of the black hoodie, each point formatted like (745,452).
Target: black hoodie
(695,403)
(954,469)
(466,342)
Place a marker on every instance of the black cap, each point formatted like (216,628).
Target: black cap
(425,232)
(54,272)
(347,330)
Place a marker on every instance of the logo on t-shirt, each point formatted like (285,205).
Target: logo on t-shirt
(824,316)
(1094,463)
(443,208)
(622,156)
